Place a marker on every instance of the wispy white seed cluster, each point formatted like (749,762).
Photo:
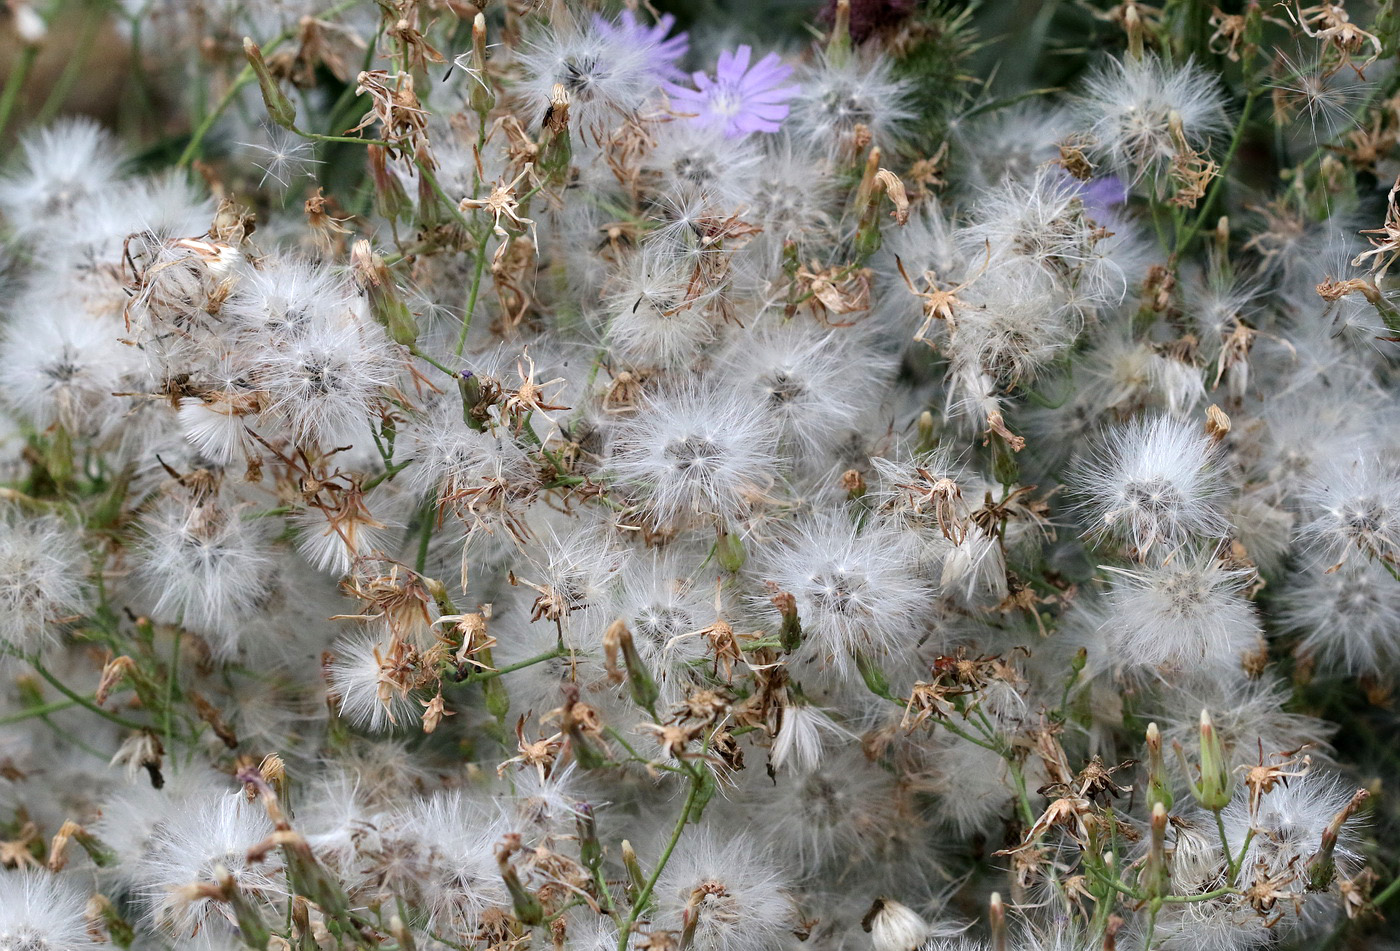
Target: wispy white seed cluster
(565,476)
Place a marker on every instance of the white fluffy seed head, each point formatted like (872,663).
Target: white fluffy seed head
(359,678)
(1129,106)
(40,911)
(664,608)
(458,879)
(608,74)
(63,364)
(199,839)
(1154,482)
(837,99)
(737,894)
(1185,614)
(799,378)
(1349,617)
(696,453)
(66,165)
(207,567)
(42,572)
(1353,510)
(1041,225)
(1284,830)
(896,927)
(655,315)
(855,589)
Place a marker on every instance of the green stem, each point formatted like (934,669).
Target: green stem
(354,140)
(207,123)
(76,61)
(1386,894)
(42,710)
(423,356)
(171,684)
(244,77)
(14,82)
(81,700)
(472,295)
(477,678)
(1203,896)
(625,932)
(1225,844)
(1185,240)
(426,532)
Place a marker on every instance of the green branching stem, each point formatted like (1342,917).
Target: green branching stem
(82,701)
(244,78)
(495,672)
(478,272)
(1184,241)
(42,710)
(691,797)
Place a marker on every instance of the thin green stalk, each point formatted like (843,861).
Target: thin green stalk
(171,685)
(638,757)
(81,700)
(423,356)
(15,82)
(1154,908)
(58,95)
(1214,191)
(244,77)
(42,710)
(478,677)
(353,139)
(625,932)
(1386,894)
(425,532)
(472,295)
(1203,896)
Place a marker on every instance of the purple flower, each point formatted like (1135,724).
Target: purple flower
(1104,200)
(739,99)
(654,39)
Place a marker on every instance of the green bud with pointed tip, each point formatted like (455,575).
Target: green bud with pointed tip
(729,551)
(279,108)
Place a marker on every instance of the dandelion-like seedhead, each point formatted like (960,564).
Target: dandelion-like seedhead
(1135,107)
(573,476)
(1155,482)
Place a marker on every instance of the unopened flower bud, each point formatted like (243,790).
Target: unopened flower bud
(894,926)
(729,551)
(1212,788)
(29,25)
(527,907)
(482,98)
(790,634)
(556,148)
(383,293)
(838,47)
(390,198)
(279,108)
(636,881)
(644,690)
(996,918)
(590,849)
(1156,879)
(1158,789)
(873,675)
(401,934)
(1322,865)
